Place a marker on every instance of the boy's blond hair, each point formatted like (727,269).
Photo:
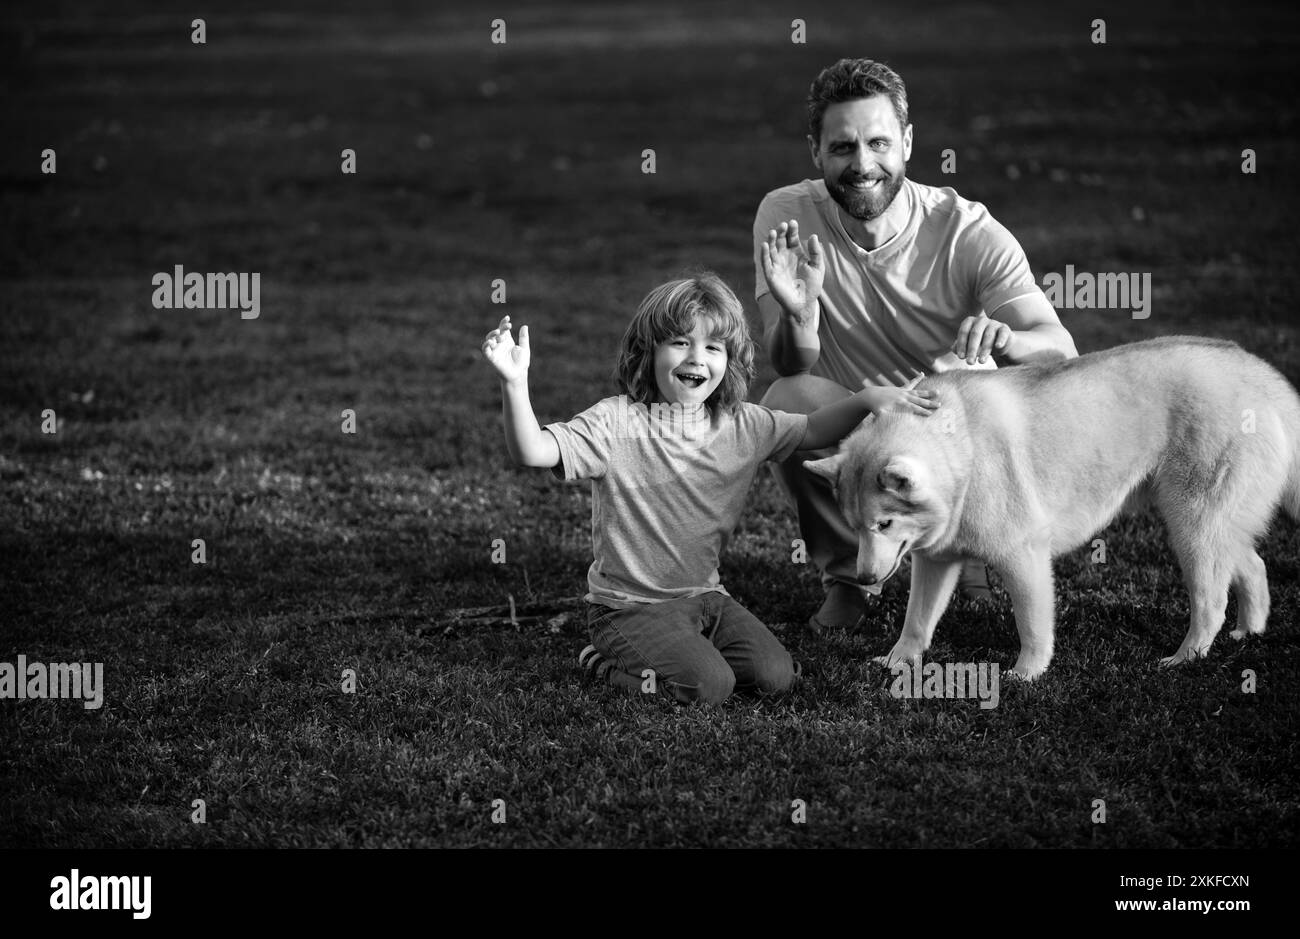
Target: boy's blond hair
(670,310)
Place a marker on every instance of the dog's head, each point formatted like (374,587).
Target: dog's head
(894,502)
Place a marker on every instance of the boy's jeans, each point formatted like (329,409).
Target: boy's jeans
(700,648)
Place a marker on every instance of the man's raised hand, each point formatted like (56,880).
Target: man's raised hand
(508,358)
(793,275)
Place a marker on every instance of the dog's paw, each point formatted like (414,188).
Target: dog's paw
(1181,656)
(896,658)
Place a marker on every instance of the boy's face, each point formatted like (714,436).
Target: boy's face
(690,367)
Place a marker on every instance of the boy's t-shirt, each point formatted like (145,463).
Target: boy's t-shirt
(667,490)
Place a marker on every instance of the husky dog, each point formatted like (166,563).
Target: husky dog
(1024,463)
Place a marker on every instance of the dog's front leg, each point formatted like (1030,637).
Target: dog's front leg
(1028,579)
(933,582)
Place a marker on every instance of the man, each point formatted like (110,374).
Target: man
(886,281)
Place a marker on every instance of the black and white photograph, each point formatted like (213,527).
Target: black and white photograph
(862,428)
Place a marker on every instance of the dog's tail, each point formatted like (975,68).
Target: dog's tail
(1291,491)
(1291,494)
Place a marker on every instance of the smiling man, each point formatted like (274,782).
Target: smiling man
(900,280)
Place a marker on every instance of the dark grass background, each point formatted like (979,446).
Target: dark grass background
(522,162)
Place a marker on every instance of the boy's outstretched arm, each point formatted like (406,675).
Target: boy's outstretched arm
(829,425)
(528,444)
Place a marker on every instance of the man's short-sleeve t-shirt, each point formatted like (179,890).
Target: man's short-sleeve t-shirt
(667,490)
(891,314)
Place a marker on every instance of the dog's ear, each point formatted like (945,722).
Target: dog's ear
(899,477)
(828,469)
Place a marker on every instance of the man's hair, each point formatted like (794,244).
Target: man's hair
(848,80)
(672,309)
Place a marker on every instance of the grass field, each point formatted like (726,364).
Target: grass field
(522,162)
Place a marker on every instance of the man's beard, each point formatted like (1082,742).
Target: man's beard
(865,206)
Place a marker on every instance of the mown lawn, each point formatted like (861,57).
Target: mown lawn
(522,162)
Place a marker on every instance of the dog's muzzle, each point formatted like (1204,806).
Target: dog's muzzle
(868,579)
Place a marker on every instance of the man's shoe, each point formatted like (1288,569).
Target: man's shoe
(974,582)
(843,608)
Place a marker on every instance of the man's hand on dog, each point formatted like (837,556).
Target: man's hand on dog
(980,336)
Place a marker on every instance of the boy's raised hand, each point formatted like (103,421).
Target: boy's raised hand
(508,358)
(793,275)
